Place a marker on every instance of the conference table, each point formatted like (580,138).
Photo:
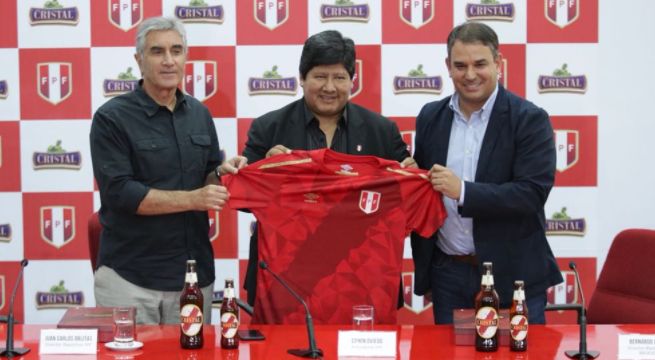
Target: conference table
(413,342)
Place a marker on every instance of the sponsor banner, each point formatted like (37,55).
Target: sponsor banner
(417,309)
(512,75)
(366,82)
(406,126)
(8,25)
(8,275)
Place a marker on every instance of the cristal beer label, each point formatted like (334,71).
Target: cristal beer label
(486,322)
(229,324)
(518,327)
(191,319)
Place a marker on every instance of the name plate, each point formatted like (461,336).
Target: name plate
(68,341)
(636,346)
(367,343)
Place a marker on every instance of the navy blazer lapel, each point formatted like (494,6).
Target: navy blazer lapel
(442,140)
(496,120)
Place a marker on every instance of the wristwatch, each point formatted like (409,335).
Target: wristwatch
(218,174)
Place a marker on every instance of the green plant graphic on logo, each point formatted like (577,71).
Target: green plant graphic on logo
(561,215)
(562,72)
(197,3)
(58,289)
(53,4)
(418,72)
(127,75)
(56,149)
(272,74)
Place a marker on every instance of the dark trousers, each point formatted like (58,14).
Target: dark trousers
(455,284)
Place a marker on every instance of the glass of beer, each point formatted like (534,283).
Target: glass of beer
(363,316)
(124,327)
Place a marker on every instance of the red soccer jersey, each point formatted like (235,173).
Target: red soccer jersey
(333,226)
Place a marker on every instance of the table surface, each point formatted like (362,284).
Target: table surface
(414,342)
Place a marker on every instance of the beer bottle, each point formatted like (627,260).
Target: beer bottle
(229,317)
(518,319)
(486,312)
(191,302)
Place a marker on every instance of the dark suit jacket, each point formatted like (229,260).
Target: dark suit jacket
(515,173)
(368,133)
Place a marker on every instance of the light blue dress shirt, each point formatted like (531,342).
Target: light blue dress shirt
(456,234)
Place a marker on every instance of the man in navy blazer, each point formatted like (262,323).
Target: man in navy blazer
(492,155)
(323,117)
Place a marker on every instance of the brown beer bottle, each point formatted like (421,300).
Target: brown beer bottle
(518,319)
(486,312)
(229,317)
(191,317)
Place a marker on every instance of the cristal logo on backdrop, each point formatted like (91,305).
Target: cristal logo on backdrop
(55,81)
(57,157)
(414,303)
(200,79)
(490,10)
(271,82)
(5,232)
(271,13)
(562,81)
(345,10)
(53,12)
(124,83)
(562,13)
(199,11)
(417,81)
(562,223)
(57,225)
(59,297)
(416,13)
(125,14)
(4,89)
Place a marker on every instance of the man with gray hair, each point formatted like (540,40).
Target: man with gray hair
(156,159)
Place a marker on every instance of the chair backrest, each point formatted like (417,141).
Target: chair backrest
(94,229)
(625,293)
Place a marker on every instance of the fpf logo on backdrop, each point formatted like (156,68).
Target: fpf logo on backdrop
(200,79)
(576,142)
(271,13)
(125,14)
(416,13)
(358,79)
(414,303)
(57,225)
(55,81)
(565,292)
(562,13)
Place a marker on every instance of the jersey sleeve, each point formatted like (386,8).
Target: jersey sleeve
(422,205)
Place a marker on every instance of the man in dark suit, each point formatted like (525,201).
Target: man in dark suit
(492,155)
(322,118)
